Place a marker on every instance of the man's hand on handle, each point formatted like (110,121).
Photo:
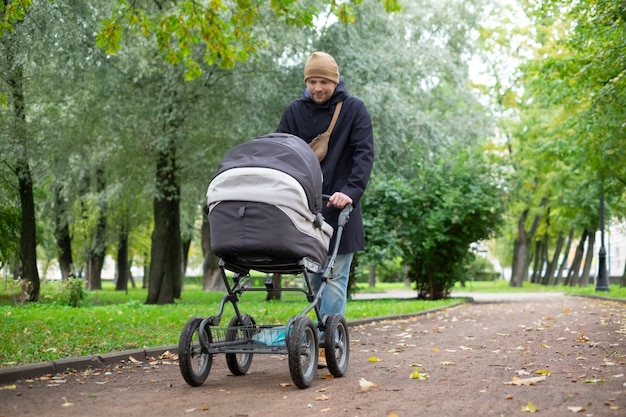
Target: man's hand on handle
(339,200)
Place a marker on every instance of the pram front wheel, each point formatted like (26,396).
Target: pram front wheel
(239,363)
(194,360)
(302,347)
(337,345)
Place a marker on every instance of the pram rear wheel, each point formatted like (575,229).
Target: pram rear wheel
(337,345)
(302,347)
(194,360)
(242,331)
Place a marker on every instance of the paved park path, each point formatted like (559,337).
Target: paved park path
(501,355)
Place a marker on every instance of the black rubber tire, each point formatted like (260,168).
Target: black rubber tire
(194,361)
(239,363)
(302,347)
(337,345)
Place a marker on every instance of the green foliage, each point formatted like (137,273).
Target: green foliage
(433,217)
(73,291)
(225,31)
(480,269)
(10,219)
(12,12)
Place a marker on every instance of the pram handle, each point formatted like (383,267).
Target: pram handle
(344,216)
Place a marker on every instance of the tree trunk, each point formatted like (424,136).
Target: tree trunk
(146,271)
(97,251)
(186,246)
(371,277)
(521,257)
(574,271)
(123,268)
(549,278)
(277,284)
(538,264)
(519,271)
(211,277)
(167,251)
(28,236)
(563,267)
(62,233)
(28,226)
(584,279)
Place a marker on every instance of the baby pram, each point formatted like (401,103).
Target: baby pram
(265,206)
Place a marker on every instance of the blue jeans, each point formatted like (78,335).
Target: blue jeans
(335,294)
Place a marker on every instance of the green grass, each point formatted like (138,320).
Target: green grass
(615,291)
(109,321)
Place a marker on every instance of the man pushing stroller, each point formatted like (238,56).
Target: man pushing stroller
(346,164)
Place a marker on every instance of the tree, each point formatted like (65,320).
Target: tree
(179,29)
(16,139)
(435,216)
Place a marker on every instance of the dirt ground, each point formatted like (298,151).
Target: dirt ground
(557,357)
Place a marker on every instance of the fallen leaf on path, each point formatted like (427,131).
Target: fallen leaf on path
(544,372)
(529,408)
(526,381)
(446,363)
(66,403)
(593,381)
(576,409)
(418,374)
(133,360)
(373,359)
(366,385)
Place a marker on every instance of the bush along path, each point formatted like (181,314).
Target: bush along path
(557,356)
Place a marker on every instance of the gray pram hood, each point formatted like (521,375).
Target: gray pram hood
(264,199)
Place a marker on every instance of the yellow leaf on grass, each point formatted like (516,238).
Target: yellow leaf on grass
(373,359)
(529,408)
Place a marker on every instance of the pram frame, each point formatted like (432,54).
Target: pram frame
(301,335)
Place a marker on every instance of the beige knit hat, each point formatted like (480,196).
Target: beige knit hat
(321,65)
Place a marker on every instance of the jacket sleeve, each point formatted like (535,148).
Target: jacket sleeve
(362,142)
(287,121)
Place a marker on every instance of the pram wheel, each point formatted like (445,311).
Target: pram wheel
(239,363)
(337,345)
(194,361)
(302,347)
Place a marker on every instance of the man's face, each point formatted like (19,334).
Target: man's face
(320,89)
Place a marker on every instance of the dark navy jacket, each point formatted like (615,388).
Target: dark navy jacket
(350,157)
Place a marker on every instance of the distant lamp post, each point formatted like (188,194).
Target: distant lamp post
(602,282)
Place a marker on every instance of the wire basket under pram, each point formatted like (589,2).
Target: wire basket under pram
(265,215)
